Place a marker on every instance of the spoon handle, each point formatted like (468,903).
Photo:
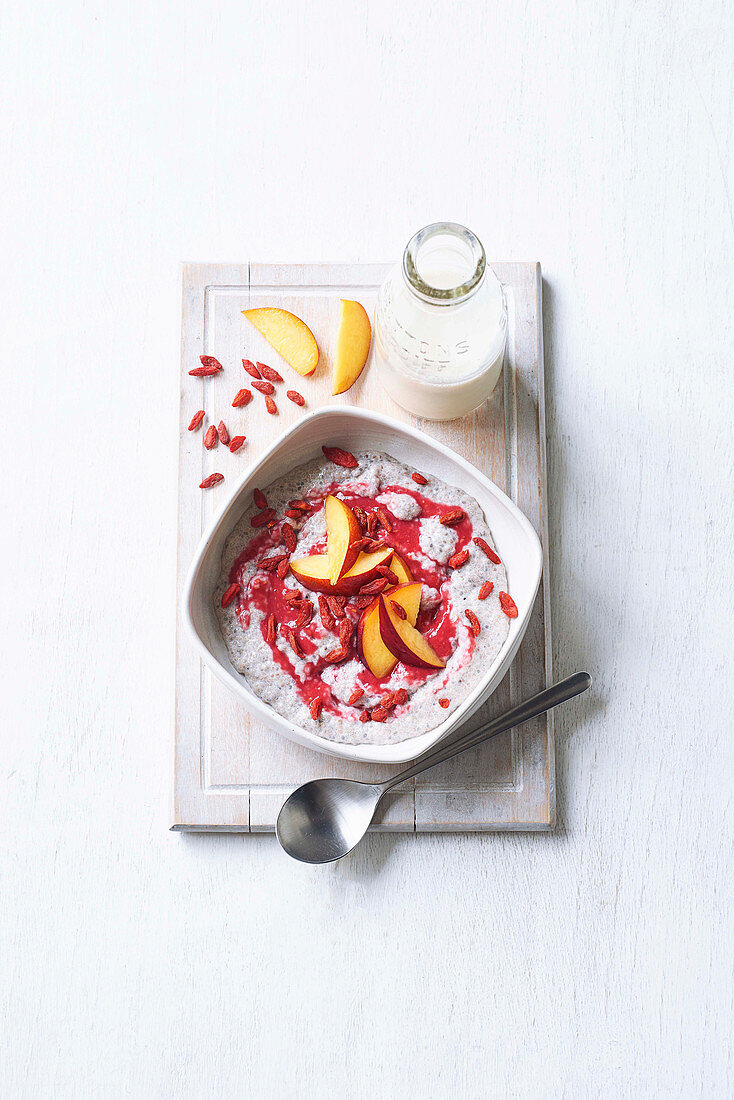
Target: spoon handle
(523,712)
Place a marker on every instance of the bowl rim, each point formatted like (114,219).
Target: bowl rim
(396,752)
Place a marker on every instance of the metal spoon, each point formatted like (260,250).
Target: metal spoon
(324,819)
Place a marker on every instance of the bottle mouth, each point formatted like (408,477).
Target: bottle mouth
(444,263)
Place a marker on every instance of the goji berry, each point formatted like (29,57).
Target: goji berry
(196,420)
(295,397)
(261,518)
(236,443)
(210,437)
(340,457)
(241,398)
(508,605)
(289,537)
(229,594)
(486,590)
(270,405)
(419,479)
(269,372)
(258,496)
(457,560)
(476,626)
(314,708)
(491,554)
(213,479)
(250,368)
(263,387)
(222,433)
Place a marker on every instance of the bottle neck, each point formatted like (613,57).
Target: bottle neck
(444,264)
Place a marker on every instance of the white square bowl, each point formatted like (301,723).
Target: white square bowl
(357,430)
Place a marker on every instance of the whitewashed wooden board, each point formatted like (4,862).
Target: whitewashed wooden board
(231,772)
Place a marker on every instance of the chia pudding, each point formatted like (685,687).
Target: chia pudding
(301,650)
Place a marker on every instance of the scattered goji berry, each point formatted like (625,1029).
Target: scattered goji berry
(398,609)
(365,716)
(340,457)
(314,708)
(270,405)
(261,518)
(326,617)
(444,703)
(476,626)
(236,443)
(263,387)
(336,655)
(295,645)
(269,372)
(356,694)
(222,433)
(457,560)
(383,518)
(295,397)
(401,696)
(241,398)
(258,496)
(250,368)
(210,437)
(301,505)
(229,594)
(196,420)
(484,545)
(508,605)
(210,361)
(336,608)
(294,513)
(345,632)
(282,568)
(419,479)
(379,714)
(387,573)
(213,479)
(289,537)
(486,590)
(454,515)
(271,627)
(373,587)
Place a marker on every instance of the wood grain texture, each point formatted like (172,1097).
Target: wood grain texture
(233,773)
(596,962)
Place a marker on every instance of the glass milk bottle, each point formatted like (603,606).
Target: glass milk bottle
(441,325)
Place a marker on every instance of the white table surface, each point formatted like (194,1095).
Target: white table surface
(596,138)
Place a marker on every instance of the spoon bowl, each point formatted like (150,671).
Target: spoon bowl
(324,819)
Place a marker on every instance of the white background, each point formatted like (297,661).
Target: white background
(595,137)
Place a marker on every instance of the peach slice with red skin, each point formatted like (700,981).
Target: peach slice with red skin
(313,572)
(370,646)
(402,639)
(400,569)
(342,531)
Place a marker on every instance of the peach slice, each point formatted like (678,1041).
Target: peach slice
(342,531)
(400,569)
(403,640)
(313,572)
(352,345)
(289,335)
(370,646)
